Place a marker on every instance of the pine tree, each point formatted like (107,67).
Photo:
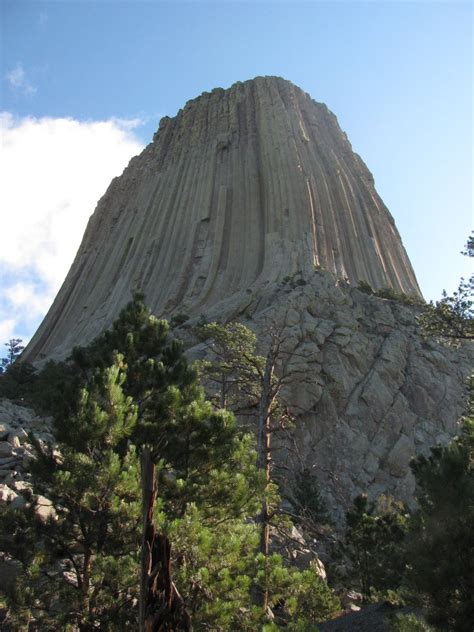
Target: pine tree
(374,542)
(307,500)
(453,316)
(132,392)
(15,377)
(441,545)
(14,349)
(80,562)
(234,366)
(252,385)
(205,490)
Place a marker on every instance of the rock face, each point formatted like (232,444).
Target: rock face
(242,188)
(232,212)
(366,389)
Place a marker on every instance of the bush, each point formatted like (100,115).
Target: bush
(16,381)
(307,500)
(374,544)
(388,293)
(393,295)
(441,542)
(365,287)
(178,319)
(408,623)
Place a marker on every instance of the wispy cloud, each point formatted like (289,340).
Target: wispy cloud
(54,171)
(18,80)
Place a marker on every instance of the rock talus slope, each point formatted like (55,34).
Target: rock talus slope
(242,188)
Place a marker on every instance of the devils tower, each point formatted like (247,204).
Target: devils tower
(242,188)
(250,205)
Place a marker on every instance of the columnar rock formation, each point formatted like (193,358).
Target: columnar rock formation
(251,205)
(243,188)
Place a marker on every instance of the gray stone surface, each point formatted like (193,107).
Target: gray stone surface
(44,509)
(229,214)
(4,431)
(242,188)
(367,390)
(14,475)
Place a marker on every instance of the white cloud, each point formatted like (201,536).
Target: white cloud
(27,296)
(54,172)
(7,327)
(19,81)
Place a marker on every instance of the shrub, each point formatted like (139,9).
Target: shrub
(408,623)
(365,287)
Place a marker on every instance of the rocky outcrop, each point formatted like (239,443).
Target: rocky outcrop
(368,392)
(242,188)
(17,425)
(232,212)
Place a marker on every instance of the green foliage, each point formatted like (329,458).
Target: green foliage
(54,389)
(408,623)
(250,384)
(213,566)
(17,380)
(15,377)
(365,287)
(80,563)
(178,319)
(218,566)
(388,292)
(14,349)
(234,368)
(441,545)
(393,295)
(299,599)
(312,601)
(307,500)
(373,543)
(452,316)
(130,387)
(469,247)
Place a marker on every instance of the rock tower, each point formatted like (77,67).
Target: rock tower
(250,204)
(241,189)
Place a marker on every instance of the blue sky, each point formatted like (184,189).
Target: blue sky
(83,85)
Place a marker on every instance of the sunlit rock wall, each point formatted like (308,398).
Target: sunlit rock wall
(367,391)
(242,188)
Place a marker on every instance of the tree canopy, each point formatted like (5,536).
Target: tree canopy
(452,317)
(132,389)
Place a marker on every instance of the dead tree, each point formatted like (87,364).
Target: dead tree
(252,386)
(162,608)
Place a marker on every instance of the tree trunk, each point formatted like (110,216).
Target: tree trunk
(148,504)
(162,608)
(84,585)
(223,402)
(260,593)
(264,411)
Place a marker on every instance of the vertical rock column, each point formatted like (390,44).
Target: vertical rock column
(240,189)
